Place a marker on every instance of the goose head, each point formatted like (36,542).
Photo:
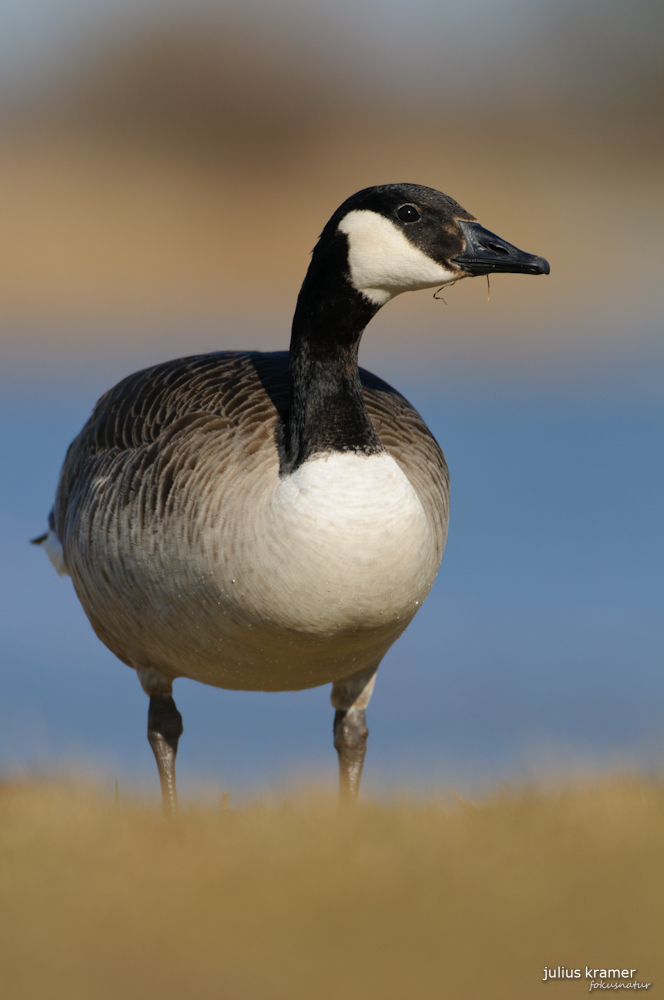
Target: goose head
(404,237)
(382,241)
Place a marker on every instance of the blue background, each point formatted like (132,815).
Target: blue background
(538,651)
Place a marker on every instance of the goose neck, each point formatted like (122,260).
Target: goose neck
(327,410)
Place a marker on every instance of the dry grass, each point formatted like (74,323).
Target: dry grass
(100,236)
(287,899)
(179,176)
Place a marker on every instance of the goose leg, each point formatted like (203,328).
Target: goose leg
(350,698)
(164,731)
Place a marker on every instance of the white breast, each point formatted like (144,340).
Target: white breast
(342,543)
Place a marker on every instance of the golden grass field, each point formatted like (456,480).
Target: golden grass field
(168,195)
(286,898)
(97,227)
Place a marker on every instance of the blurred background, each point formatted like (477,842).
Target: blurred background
(165,172)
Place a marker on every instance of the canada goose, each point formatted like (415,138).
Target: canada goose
(273,521)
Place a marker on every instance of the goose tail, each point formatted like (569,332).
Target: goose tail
(52,547)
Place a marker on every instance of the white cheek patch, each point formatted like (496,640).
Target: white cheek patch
(383,262)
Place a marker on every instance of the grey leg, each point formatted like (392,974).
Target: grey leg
(164,731)
(350,699)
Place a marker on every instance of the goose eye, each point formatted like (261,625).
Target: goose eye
(408,213)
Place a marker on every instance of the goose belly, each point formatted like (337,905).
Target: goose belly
(326,572)
(279,583)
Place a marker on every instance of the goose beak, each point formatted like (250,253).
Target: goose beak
(486,253)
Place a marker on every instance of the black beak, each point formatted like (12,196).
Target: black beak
(486,253)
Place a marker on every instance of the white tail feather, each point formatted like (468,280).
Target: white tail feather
(52,546)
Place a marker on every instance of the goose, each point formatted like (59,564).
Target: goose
(272,521)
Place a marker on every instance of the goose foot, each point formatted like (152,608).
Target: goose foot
(350,699)
(164,731)
(350,741)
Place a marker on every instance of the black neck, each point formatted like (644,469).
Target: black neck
(327,411)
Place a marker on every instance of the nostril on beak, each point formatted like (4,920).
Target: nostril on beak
(496,248)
